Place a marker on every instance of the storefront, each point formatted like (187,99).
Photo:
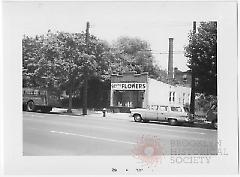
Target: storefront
(128,90)
(131,90)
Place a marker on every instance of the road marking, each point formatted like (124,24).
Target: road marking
(34,115)
(93,137)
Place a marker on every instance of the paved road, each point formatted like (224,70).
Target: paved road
(57,134)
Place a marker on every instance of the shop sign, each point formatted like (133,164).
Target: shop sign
(128,86)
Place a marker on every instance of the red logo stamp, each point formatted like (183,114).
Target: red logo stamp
(148,149)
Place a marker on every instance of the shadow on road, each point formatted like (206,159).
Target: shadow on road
(197,125)
(39,112)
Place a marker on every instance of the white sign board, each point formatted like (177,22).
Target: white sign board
(128,86)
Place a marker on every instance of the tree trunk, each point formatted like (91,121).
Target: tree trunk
(70,99)
(85,94)
(70,102)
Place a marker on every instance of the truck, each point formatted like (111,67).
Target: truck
(39,99)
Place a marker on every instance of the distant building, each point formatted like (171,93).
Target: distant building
(175,76)
(131,90)
(182,78)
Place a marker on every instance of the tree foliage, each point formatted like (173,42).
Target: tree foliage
(202,54)
(59,60)
(30,59)
(133,54)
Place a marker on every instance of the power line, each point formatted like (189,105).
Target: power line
(166,53)
(163,52)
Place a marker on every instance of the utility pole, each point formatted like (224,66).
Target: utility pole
(192,104)
(85,85)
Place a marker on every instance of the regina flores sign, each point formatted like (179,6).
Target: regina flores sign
(128,86)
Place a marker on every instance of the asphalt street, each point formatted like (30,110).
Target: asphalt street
(58,134)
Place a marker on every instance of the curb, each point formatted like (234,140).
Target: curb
(113,116)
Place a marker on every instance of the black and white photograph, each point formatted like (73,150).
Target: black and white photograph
(103,87)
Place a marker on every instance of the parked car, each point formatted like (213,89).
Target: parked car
(212,115)
(172,114)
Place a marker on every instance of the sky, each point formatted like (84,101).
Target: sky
(154,22)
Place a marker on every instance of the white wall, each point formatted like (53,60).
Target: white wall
(158,93)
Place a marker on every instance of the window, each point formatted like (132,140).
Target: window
(154,107)
(176,109)
(183,98)
(172,96)
(163,108)
(184,78)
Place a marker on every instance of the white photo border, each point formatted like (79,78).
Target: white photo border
(225,13)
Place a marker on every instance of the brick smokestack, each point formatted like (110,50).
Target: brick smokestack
(170,59)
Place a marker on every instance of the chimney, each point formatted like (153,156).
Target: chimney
(170,59)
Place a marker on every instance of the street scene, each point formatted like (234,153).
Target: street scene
(141,86)
(116,134)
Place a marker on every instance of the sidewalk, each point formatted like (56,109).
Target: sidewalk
(93,114)
(113,116)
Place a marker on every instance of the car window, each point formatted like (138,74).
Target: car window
(154,107)
(163,108)
(176,109)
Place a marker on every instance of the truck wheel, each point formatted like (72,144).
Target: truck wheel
(172,121)
(30,106)
(24,107)
(137,118)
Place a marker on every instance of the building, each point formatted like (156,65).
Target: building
(131,90)
(183,78)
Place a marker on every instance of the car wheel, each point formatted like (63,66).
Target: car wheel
(137,118)
(172,121)
(30,106)
(214,123)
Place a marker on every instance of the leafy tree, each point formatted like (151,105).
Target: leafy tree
(203,48)
(30,59)
(159,74)
(62,60)
(131,54)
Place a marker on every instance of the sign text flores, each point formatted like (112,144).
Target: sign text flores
(128,86)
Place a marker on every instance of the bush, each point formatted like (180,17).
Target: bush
(203,103)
